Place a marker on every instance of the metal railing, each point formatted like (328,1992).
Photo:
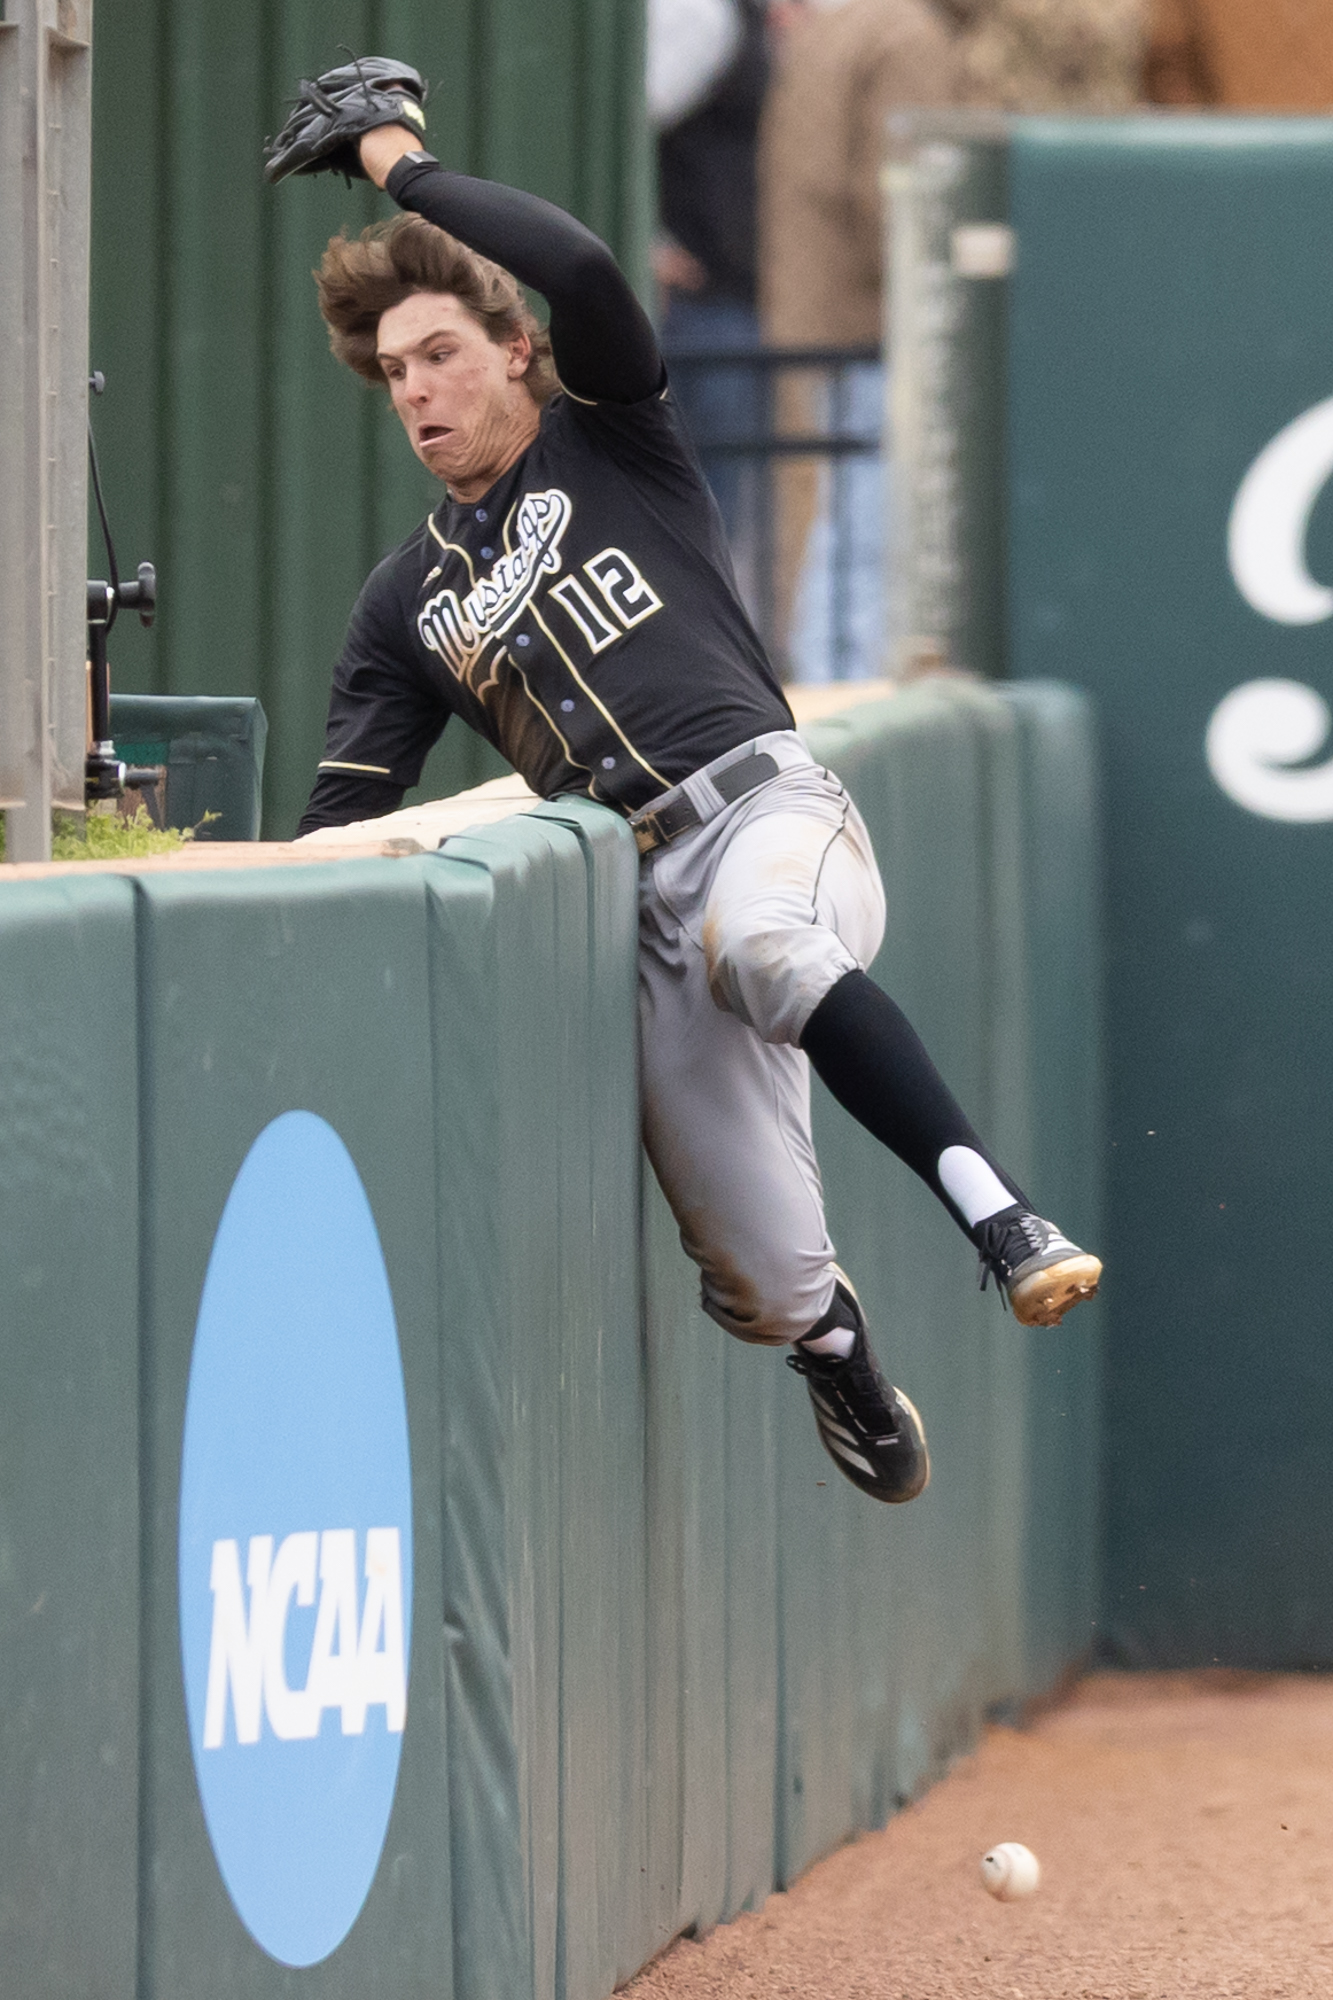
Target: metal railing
(790,439)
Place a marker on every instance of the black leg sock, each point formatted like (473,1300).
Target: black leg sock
(865,1049)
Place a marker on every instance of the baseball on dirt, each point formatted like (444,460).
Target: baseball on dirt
(1010,1871)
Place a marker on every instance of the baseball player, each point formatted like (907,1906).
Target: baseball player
(572,598)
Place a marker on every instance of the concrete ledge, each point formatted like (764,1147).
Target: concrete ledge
(208,857)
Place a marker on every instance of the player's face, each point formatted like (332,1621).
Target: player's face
(460,394)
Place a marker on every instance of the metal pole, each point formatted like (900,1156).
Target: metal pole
(45,148)
(949,242)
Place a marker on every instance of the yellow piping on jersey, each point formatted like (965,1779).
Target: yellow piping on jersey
(570,758)
(336,764)
(600,706)
(592,403)
(531,606)
(454,549)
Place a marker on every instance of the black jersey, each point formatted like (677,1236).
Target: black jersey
(583,615)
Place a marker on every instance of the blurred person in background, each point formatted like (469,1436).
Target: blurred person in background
(841,67)
(1052,55)
(1257,55)
(708,69)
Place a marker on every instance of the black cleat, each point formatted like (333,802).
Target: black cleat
(1039,1271)
(869,1429)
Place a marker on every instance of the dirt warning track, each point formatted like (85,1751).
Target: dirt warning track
(1184,1824)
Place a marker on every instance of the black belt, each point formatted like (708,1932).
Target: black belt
(654,825)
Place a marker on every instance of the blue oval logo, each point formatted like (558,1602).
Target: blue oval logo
(296,1543)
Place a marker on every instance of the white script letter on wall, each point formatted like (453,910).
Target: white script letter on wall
(1257,733)
(1269,518)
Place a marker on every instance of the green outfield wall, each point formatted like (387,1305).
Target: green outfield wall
(658,1656)
(1148,351)
(1170,450)
(263,479)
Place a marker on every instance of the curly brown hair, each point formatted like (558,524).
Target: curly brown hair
(360,278)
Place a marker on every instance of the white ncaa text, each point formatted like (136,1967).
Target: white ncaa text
(356,1663)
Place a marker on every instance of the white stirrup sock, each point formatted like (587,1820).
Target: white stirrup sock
(972,1184)
(839,1340)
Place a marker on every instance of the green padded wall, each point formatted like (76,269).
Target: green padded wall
(213,749)
(222,1056)
(539,1174)
(662,1655)
(1061,915)
(69,1438)
(262,479)
(1171,305)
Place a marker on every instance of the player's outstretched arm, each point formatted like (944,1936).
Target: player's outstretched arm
(366,116)
(602,340)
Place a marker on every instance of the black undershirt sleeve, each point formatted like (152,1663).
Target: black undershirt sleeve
(383,715)
(602,340)
(339,797)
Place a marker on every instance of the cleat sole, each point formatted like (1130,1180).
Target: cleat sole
(1045,1297)
(915,1414)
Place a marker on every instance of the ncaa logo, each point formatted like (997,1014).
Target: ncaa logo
(296,1543)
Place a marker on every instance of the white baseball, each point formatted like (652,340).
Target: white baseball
(1010,1871)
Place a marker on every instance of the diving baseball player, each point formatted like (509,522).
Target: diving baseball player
(572,598)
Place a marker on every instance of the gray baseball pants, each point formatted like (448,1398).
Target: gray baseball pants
(745,923)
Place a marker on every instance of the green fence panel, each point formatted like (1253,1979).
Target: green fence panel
(534,958)
(328,1014)
(260,477)
(1007,1113)
(603,1667)
(495,1231)
(213,749)
(69,1495)
(586,1396)
(711,1448)
(1062,918)
(756,1383)
(497,1093)
(1170,536)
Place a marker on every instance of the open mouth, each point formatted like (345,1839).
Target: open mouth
(432,433)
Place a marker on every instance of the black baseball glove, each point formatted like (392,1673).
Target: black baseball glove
(331,114)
